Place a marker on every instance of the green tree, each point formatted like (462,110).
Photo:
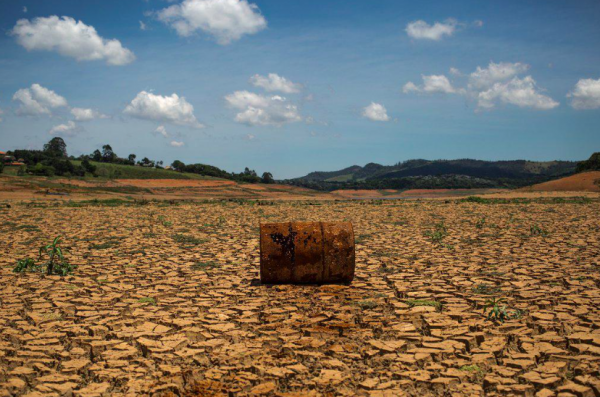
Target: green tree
(267,177)
(131,159)
(56,148)
(178,166)
(97,156)
(108,156)
(87,166)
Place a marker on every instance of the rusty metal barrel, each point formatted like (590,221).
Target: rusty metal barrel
(306,253)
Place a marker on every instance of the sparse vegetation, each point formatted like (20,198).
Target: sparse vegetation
(204,265)
(438,233)
(420,302)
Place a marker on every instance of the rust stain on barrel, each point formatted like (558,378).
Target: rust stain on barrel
(306,253)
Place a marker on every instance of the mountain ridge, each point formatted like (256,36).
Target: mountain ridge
(459,173)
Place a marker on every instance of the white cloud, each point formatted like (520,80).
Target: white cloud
(68,129)
(249,137)
(38,100)
(143,26)
(494,73)
(431,84)
(274,82)
(586,94)
(171,109)
(455,72)
(226,20)
(82,114)
(497,83)
(162,131)
(375,112)
(25,10)
(262,110)
(177,144)
(422,30)
(520,92)
(70,38)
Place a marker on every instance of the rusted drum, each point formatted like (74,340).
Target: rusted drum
(306,253)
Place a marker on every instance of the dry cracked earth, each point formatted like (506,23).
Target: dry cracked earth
(165,300)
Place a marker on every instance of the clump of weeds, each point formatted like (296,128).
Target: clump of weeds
(535,230)
(496,310)
(438,233)
(188,240)
(480,223)
(485,289)
(421,302)
(150,300)
(204,265)
(366,304)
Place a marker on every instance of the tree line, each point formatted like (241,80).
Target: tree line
(53,159)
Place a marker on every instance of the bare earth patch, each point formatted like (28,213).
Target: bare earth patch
(164,301)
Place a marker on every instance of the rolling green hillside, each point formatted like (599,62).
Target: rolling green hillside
(119,171)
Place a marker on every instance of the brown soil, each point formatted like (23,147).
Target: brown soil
(583,182)
(165,301)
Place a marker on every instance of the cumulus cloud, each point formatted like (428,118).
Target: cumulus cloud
(274,82)
(495,72)
(68,129)
(421,30)
(431,84)
(375,112)
(70,38)
(258,109)
(177,144)
(520,92)
(82,114)
(586,94)
(38,100)
(496,83)
(170,109)
(226,20)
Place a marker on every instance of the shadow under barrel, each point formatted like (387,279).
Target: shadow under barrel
(306,253)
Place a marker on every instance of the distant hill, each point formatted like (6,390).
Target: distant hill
(588,181)
(462,173)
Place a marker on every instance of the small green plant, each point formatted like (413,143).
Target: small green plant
(55,264)
(26,265)
(421,302)
(148,300)
(438,233)
(496,310)
(535,230)
(480,223)
(162,219)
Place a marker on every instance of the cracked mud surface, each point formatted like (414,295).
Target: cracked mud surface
(165,301)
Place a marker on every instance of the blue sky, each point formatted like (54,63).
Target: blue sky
(330,87)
